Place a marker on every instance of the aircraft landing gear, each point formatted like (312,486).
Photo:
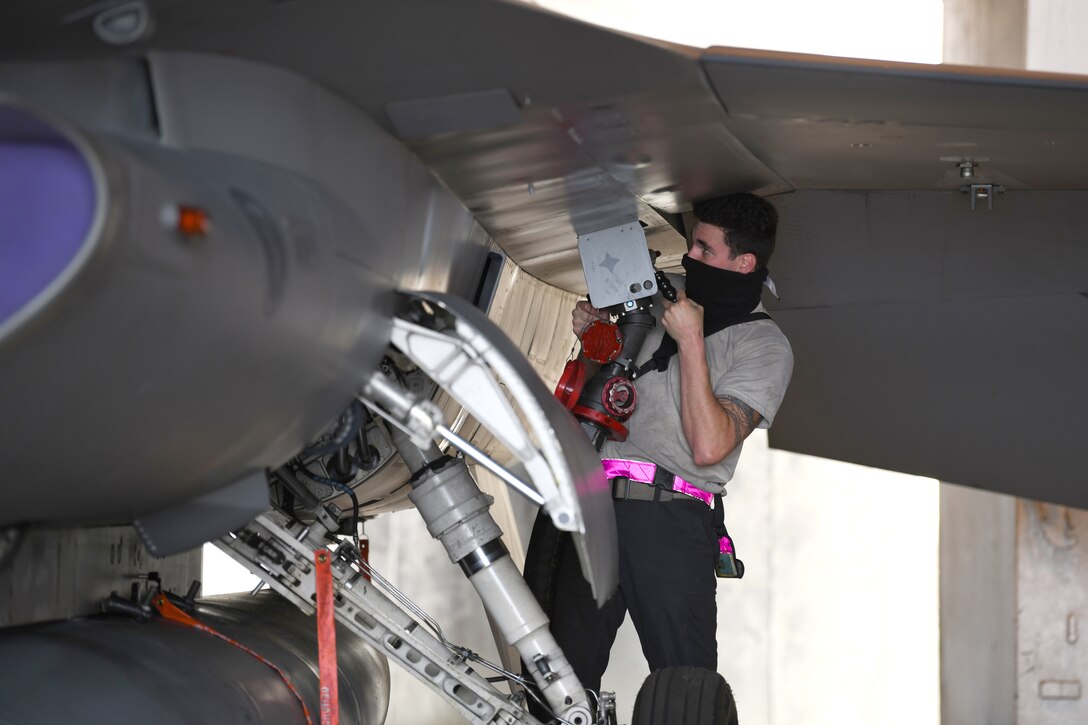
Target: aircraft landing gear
(457,515)
(461,351)
(676,695)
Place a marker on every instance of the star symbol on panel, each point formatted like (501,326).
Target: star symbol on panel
(609,262)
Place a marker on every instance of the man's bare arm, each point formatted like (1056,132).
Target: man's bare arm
(743,417)
(713,427)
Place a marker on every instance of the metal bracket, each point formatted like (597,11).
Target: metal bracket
(979,192)
(282,555)
(437,337)
(467,355)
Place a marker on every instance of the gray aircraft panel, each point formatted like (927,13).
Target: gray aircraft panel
(984,392)
(613,127)
(937,340)
(610,123)
(846,248)
(829,123)
(930,337)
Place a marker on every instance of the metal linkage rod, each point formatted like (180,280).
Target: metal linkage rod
(280,552)
(482,458)
(458,515)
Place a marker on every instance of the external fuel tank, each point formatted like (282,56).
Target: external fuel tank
(114,669)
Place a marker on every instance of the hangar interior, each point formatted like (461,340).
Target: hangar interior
(930,602)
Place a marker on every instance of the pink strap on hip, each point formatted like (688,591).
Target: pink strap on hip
(643,472)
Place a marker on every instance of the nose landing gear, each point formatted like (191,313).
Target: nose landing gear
(685,696)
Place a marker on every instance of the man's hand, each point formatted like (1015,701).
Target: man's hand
(583,314)
(683,319)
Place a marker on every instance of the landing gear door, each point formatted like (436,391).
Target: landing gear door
(478,365)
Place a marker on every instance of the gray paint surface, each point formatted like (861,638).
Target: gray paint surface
(834,124)
(306,239)
(187,350)
(926,344)
(114,669)
(612,127)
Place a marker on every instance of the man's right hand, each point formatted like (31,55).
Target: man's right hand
(583,314)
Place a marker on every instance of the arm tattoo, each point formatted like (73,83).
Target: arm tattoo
(743,416)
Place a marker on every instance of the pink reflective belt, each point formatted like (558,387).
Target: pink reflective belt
(644,473)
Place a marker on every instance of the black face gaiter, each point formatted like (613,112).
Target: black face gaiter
(728,298)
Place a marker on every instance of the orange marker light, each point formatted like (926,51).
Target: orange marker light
(193,221)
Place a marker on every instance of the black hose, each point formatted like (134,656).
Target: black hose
(366,457)
(353,417)
(350,492)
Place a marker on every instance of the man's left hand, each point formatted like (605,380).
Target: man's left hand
(683,319)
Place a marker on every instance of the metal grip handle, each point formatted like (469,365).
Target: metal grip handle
(665,286)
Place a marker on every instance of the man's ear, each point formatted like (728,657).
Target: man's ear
(747,263)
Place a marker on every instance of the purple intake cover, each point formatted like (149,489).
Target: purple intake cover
(47,202)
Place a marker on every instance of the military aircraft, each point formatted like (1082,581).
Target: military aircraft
(247,252)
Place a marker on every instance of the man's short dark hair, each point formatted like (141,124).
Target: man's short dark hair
(749,223)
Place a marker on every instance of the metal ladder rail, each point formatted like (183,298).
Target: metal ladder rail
(282,556)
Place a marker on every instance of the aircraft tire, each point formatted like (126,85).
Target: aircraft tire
(685,696)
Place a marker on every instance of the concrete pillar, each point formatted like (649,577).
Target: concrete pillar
(977,606)
(1014,594)
(985,32)
(1051,606)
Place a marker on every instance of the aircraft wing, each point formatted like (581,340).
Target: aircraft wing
(938,329)
(931,263)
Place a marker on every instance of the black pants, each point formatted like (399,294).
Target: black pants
(667,552)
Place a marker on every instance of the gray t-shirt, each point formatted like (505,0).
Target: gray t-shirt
(751,362)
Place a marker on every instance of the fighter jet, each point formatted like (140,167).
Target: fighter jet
(247,253)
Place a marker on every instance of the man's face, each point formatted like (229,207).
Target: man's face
(708,246)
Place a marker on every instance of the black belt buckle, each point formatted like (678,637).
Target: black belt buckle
(663,478)
(626,488)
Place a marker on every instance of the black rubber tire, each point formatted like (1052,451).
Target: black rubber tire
(685,696)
